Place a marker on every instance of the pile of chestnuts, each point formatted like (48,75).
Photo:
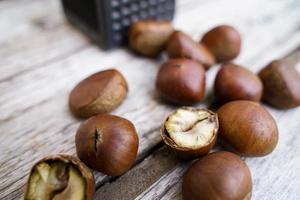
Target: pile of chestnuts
(109,143)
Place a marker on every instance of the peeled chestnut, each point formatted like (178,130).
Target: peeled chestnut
(219,175)
(181,81)
(107,143)
(234,82)
(248,128)
(190,132)
(149,37)
(181,45)
(224,42)
(281,84)
(99,93)
(60,177)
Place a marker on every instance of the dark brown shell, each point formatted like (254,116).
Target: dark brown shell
(82,168)
(99,93)
(181,45)
(234,82)
(281,84)
(188,153)
(219,175)
(181,81)
(107,143)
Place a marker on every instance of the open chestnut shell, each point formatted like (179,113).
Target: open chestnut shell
(190,132)
(219,175)
(107,143)
(60,177)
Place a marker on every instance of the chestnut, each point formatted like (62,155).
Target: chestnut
(149,38)
(190,132)
(234,82)
(219,175)
(181,81)
(281,82)
(99,93)
(248,128)
(224,42)
(107,143)
(60,177)
(180,45)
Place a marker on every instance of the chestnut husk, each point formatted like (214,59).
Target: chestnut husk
(107,143)
(188,153)
(87,175)
(281,84)
(219,175)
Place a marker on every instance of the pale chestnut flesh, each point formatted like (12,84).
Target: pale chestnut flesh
(60,179)
(190,131)
(248,128)
(219,175)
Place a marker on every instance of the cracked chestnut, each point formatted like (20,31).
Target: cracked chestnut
(281,84)
(180,45)
(219,175)
(234,82)
(107,143)
(148,37)
(99,93)
(181,81)
(248,128)
(60,177)
(224,42)
(190,132)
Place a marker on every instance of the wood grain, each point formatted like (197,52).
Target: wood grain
(42,58)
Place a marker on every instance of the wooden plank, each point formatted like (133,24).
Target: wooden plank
(34,103)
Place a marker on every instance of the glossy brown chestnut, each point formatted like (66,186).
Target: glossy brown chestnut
(99,93)
(190,132)
(224,42)
(234,82)
(281,84)
(149,38)
(180,45)
(248,128)
(219,175)
(181,81)
(60,177)
(107,143)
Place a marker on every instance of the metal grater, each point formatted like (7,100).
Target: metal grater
(106,21)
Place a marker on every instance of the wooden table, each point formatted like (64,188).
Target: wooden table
(42,57)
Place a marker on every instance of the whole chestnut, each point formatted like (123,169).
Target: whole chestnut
(224,42)
(99,93)
(60,177)
(248,128)
(219,175)
(149,38)
(107,143)
(234,82)
(180,45)
(281,83)
(181,81)
(190,132)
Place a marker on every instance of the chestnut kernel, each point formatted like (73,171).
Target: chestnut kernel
(99,93)
(60,177)
(181,81)
(107,143)
(234,82)
(180,45)
(190,132)
(149,38)
(281,82)
(224,42)
(219,175)
(248,128)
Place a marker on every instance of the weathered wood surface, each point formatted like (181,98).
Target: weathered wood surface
(42,58)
